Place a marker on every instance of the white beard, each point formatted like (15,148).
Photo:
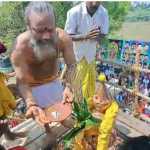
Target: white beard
(42,50)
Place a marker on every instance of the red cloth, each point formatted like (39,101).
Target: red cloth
(13,123)
(2,48)
(18,148)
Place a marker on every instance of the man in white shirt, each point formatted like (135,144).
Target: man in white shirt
(87,23)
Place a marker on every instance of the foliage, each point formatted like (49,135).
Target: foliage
(12,17)
(138,14)
(11,20)
(117,12)
(83,117)
(61,9)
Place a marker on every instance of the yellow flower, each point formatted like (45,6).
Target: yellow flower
(102,77)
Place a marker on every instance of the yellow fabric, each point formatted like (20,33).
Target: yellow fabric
(86,73)
(7,100)
(105,130)
(106,126)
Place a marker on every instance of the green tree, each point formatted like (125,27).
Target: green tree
(12,17)
(12,21)
(61,9)
(117,12)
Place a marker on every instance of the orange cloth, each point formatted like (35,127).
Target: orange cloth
(33,82)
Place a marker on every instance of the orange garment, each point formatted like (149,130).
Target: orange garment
(41,81)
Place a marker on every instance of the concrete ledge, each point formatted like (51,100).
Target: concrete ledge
(35,135)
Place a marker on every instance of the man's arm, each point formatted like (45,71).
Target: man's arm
(78,37)
(71,26)
(69,57)
(20,68)
(70,73)
(93,34)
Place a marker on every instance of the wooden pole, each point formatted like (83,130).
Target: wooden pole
(137,75)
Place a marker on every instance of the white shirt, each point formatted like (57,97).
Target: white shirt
(80,22)
(146,92)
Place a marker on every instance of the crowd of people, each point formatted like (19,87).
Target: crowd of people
(126,79)
(125,52)
(116,75)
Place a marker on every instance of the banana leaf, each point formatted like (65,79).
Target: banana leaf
(80,110)
(84,118)
(76,110)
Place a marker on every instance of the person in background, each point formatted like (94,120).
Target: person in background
(87,23)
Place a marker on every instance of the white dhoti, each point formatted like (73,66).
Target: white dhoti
(48,94)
